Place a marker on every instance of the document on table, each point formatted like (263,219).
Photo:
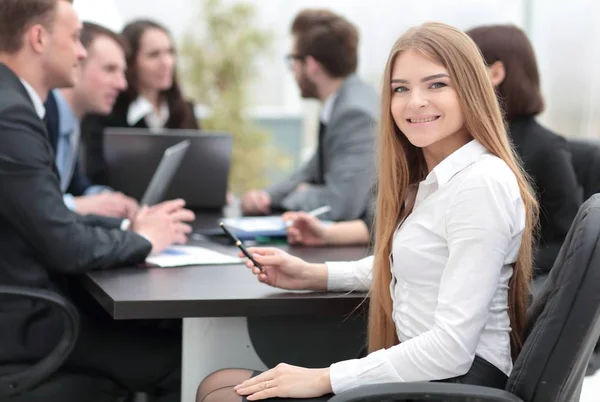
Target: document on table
(256,223)
(252,227)
(179,256)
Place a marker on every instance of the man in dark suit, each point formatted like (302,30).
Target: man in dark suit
(41,241)
(100,79)
(341,172)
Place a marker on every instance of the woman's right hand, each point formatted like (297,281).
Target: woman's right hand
(284,271)
(305,229)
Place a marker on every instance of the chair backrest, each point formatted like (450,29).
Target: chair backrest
(586,162)
(26,378)
(564,323)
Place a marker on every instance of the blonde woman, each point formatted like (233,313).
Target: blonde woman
(455,217)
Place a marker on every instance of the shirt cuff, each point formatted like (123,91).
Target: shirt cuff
(342,376)
(69,201)
(339,277)
(373,369)
(125,224)
(93,190)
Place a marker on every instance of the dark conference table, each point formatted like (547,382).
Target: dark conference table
(214,302)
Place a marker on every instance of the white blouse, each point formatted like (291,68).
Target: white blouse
(451,263)
(141,108)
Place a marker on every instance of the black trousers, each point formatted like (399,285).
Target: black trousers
(141,355)
(481,373)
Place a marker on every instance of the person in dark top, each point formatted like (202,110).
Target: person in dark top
(545,155)
(153,98)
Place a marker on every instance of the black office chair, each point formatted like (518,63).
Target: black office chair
(43,381)
(563,328)
(586,162)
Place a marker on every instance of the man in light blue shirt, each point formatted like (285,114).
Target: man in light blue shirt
(72,180)
(101,77)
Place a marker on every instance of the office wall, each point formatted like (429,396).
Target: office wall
(566,36)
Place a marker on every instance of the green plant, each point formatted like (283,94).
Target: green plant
(218,62)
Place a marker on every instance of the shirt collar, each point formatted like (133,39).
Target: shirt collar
(67,121)
(456,162)
(141,107)
(327,109)
(35,98)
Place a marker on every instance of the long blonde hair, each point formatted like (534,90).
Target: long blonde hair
(401,164)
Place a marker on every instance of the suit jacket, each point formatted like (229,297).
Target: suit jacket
(347,156)
(92,137)
(41,241)
(547,160)
(79,182)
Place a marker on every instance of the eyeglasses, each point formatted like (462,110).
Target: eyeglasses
(289,59)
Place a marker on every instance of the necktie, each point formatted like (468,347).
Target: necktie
(66,154)
(321,155)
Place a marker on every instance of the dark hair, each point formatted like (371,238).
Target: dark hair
(519,93)
(17,16)
(180,114)
(329,38)
(90,32)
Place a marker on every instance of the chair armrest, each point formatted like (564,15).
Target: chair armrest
(14,384)
(431,391)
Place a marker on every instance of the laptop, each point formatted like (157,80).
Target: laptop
(201,180)
(165,172)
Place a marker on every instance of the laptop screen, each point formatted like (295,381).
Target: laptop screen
(201,180)
(165,172)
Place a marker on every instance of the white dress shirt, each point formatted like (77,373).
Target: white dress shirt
(451,263)
(327,108)
(38,105)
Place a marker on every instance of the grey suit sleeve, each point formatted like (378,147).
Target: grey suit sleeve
(349,174)
(305,174)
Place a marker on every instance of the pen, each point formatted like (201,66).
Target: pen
(320,211)
(239,245)
(315,212)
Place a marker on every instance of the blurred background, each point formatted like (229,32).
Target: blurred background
(253,37)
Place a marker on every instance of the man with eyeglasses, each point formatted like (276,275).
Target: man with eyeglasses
(340,174)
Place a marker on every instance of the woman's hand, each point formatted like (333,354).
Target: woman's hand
(305,229)
(284,271)
(286,381)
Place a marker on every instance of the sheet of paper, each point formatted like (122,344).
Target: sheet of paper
(256,224)
(179,256)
